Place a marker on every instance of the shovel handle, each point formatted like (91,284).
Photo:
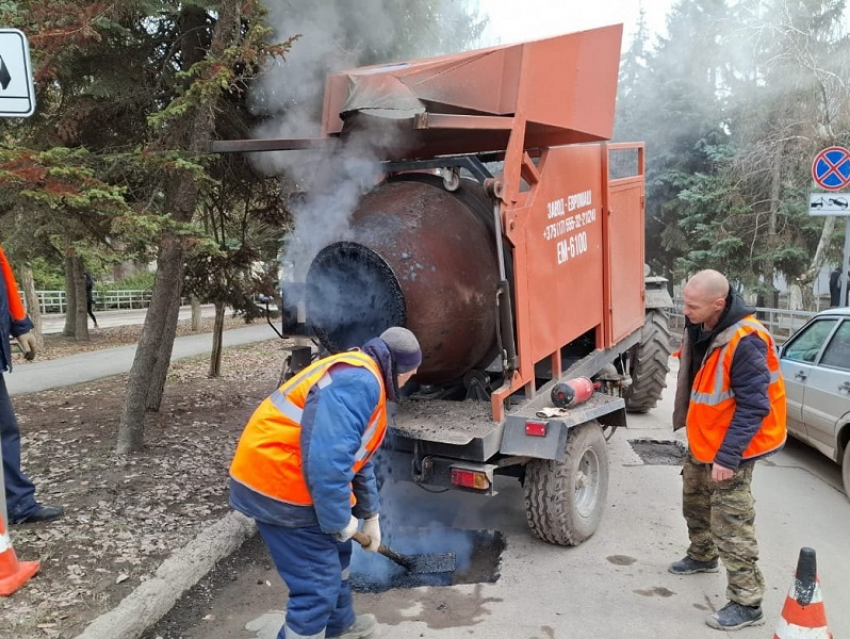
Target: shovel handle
(364,540)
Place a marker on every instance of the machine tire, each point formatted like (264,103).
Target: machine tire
(650,363)
(565,500)
(845,470)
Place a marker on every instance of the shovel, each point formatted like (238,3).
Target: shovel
(415,564)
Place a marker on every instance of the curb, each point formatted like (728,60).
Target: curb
(154,598)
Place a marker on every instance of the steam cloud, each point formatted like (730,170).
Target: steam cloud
(290,95)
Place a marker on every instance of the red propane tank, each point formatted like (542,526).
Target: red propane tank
(572,392)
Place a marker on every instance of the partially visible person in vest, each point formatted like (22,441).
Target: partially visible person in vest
(21,505)
(303,470)
(731,398)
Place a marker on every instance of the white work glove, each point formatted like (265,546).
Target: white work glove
(372,527)
(348,532)
(27,342)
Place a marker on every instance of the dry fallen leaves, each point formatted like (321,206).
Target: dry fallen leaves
(125,515)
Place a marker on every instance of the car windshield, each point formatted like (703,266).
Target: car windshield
(837,353)
(807,345)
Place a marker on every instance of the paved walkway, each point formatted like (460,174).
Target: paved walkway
(31,377)
(52,323)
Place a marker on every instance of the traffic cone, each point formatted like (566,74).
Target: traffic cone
(13,573)
(803,616)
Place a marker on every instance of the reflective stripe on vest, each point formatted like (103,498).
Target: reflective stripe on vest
(268,457)
(290,410)
(713,405)
(718,396)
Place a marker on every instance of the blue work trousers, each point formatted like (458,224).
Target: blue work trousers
(20,491)
(315,568)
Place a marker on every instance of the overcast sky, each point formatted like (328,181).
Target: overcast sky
(519,20)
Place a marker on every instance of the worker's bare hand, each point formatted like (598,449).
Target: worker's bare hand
(28,344)
(721,473)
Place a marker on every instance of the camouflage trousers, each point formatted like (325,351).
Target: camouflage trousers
(721,523)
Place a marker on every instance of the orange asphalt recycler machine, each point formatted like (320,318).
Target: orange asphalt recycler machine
(508,235)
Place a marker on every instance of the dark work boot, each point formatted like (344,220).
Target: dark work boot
(734,616)
(40,514)
(688,566)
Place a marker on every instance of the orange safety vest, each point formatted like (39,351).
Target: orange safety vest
(16,307)
(268,457)
(712,403)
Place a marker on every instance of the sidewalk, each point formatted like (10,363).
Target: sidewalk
(31,377)
(52,323)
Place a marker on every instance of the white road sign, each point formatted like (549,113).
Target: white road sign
(17,94)
(829,204)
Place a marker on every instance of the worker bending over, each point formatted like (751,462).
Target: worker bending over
(303,471)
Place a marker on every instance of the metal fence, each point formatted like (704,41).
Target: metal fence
(780,322)
(56,301)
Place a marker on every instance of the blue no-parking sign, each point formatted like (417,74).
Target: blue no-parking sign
(831,168)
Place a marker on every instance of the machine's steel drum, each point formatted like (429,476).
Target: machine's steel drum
(418,256)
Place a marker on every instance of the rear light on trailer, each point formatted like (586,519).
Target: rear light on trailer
(535,429)
(470,479)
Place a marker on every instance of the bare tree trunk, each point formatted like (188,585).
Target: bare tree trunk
(31,300)
(769,271)
(169,274)
(218,338)
(76,323)
(153,402)
(153,353)
(82,321)
(71,268)
(196,314)
(817,262)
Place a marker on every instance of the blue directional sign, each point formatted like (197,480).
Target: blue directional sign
(831,168)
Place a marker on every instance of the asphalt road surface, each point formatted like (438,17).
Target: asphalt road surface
(615,584)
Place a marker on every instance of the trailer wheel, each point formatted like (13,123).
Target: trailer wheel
(650,363)
(565,500)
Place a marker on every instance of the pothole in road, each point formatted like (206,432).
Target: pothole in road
(477,557)
(660,452)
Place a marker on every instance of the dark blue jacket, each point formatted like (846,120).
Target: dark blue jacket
(9,327)
(334,419)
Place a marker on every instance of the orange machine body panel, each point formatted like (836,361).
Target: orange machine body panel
(561,261)
(625,256)
(577,250)
(565,88)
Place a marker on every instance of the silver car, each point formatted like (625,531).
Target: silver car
(816,366)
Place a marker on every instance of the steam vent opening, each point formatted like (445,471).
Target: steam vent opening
(352,296)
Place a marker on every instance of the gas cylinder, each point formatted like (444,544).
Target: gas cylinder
(572,392)
(419,256)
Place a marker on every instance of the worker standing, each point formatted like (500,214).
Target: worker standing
(19,489)
(731,398)
(303,470)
